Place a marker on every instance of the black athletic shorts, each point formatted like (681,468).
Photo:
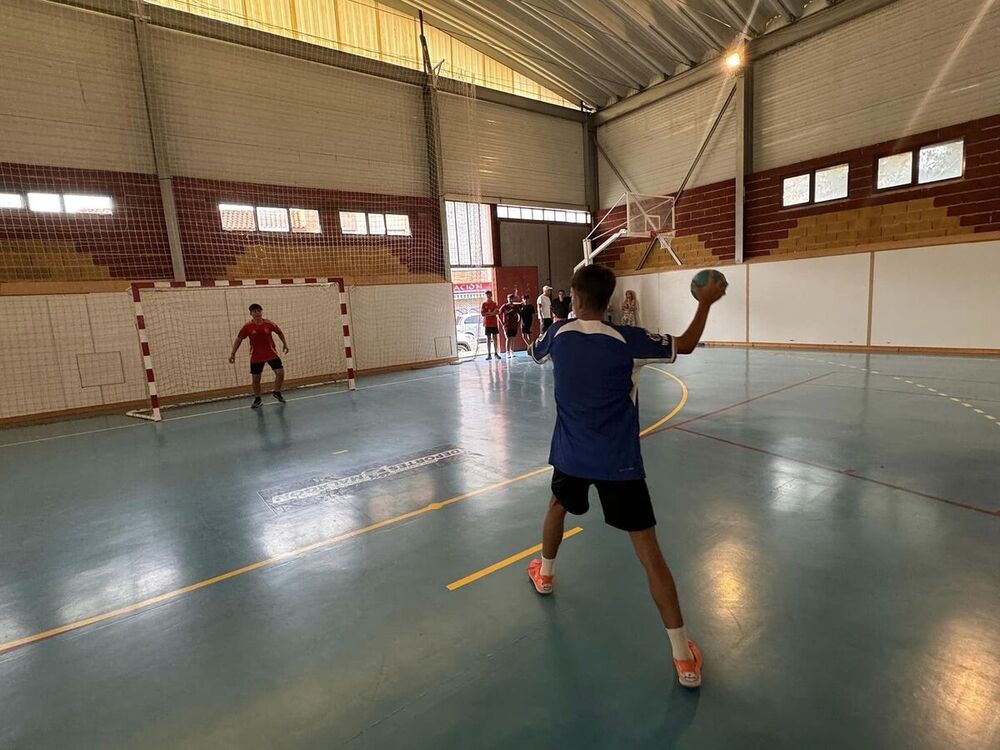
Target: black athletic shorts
(492,331)
(510,332)
(626,504)
(526,329)
(546,322)
(256,368)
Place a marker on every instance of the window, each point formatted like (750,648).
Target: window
(557,216)
(272,219)
(933,163)
(88,204)
(305,220)
(795,190)
(353,222)
(830,183)
(237,218)
(894,170)
(45,202)
(11,200)
(470,236)
(376,224)
(942,161)
(398,225)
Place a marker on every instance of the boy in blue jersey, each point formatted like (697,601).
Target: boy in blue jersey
(596,438)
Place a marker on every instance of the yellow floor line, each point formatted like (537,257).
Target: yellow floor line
(505,562)
(159,599)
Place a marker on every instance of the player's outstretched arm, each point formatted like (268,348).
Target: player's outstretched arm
(707,296)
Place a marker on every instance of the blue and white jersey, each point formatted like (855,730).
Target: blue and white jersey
(597,410)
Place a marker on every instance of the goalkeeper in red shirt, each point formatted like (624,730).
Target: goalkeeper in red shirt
(262,352)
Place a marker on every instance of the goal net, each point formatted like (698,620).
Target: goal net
(186,331)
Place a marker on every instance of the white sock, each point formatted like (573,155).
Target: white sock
(678,642)
(548,566)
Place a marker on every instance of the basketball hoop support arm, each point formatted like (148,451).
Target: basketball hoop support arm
(590,254)
(697,158)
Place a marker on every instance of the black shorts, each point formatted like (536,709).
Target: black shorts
(256,368)
(526,329)
(510,332)
(626,504)
(546,322)
(492,331)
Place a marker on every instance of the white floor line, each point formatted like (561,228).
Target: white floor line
(216,411)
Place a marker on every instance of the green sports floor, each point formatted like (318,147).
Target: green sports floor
(279,578)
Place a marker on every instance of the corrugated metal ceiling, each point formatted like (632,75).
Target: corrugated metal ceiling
(600,51)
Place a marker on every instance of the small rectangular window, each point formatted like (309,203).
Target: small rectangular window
(561,216)
(305,220)
(942,161)
(549,214)
(795,190)
(49,203)
(11,200)
(272,219)
(88,204)
(514,212)
(376,224)
(501,212)
(398,225)
(895,170)
(536,215)
(237,218)
(831,183)
(353,222)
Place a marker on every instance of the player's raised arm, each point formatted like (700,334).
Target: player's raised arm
(707,296)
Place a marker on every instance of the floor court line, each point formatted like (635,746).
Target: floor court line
(146,603)
(732,406)
(217,411)
(842,472)
(473,577)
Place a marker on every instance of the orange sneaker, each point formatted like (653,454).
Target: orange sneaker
(689,670)
(543,584)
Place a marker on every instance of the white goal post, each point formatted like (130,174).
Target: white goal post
(186,329)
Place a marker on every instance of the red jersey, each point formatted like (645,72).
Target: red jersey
(489,313)
(510,314)
(261,344)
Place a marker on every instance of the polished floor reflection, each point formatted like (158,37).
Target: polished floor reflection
(833,521)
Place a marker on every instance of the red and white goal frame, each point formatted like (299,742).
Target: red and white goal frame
(140,323)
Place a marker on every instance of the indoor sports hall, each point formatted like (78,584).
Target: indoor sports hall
(275,454)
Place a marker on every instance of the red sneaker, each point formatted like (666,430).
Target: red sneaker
(543,584)
(689,670)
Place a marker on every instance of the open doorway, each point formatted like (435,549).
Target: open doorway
(470,253)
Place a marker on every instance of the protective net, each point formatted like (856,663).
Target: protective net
(185,334)
(223,140)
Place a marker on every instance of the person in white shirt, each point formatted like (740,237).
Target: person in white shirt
(544,305)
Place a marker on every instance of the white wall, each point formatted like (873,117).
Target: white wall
(70,90)
(938,296)
(510,154)
(811,301)
(910,67)
(926,297)
(57,337)
(655,146)
(81,350)
(385,337)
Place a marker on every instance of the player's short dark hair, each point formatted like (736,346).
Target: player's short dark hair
(255,306)
(593,286)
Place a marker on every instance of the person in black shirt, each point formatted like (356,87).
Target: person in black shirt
(561,306)
(527,313)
